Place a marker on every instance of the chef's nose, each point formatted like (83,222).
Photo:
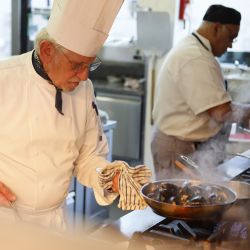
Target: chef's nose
(230,45)
(83,73)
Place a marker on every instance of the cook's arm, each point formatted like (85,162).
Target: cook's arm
(231,112)
(93,152)
(217,103)
(221,113)
(6,195)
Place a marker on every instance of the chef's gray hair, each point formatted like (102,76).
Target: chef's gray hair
(41,36)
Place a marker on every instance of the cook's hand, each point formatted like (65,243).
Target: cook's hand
(115,187)
(6,195)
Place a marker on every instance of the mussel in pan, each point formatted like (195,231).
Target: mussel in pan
(189,194)
(191,199)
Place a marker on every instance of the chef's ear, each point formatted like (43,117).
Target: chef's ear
(217,28)
(47,51)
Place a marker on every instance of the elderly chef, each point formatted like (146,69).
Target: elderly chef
(48,116)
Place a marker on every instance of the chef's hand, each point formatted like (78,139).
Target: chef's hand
(6,195)
(115,187)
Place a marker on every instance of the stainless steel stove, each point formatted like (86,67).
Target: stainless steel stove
(145,230)
(226,234)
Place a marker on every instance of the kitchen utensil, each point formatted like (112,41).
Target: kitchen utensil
(199,212)
(187,165)
(188,171)
(189,161)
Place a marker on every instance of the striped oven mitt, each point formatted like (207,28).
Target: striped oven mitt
(130,182)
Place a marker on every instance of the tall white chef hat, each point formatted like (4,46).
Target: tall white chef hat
(82,26)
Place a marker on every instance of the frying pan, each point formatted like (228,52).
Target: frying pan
(197,212)
(242,189)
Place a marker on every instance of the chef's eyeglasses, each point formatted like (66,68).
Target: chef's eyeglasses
(232,37)
(79,66)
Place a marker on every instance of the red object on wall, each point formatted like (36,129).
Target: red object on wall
(183,4)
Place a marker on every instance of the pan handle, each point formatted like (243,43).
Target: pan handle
(185,169)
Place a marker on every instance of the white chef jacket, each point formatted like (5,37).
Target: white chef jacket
(40,148)
(190,82)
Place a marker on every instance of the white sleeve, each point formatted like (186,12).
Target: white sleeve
(93,152)
(202,85)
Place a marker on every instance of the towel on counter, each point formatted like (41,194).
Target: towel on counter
(131,180)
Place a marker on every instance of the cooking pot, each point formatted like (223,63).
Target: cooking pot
(187,212)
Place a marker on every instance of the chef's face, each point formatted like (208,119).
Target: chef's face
(67,68)
(226,36)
